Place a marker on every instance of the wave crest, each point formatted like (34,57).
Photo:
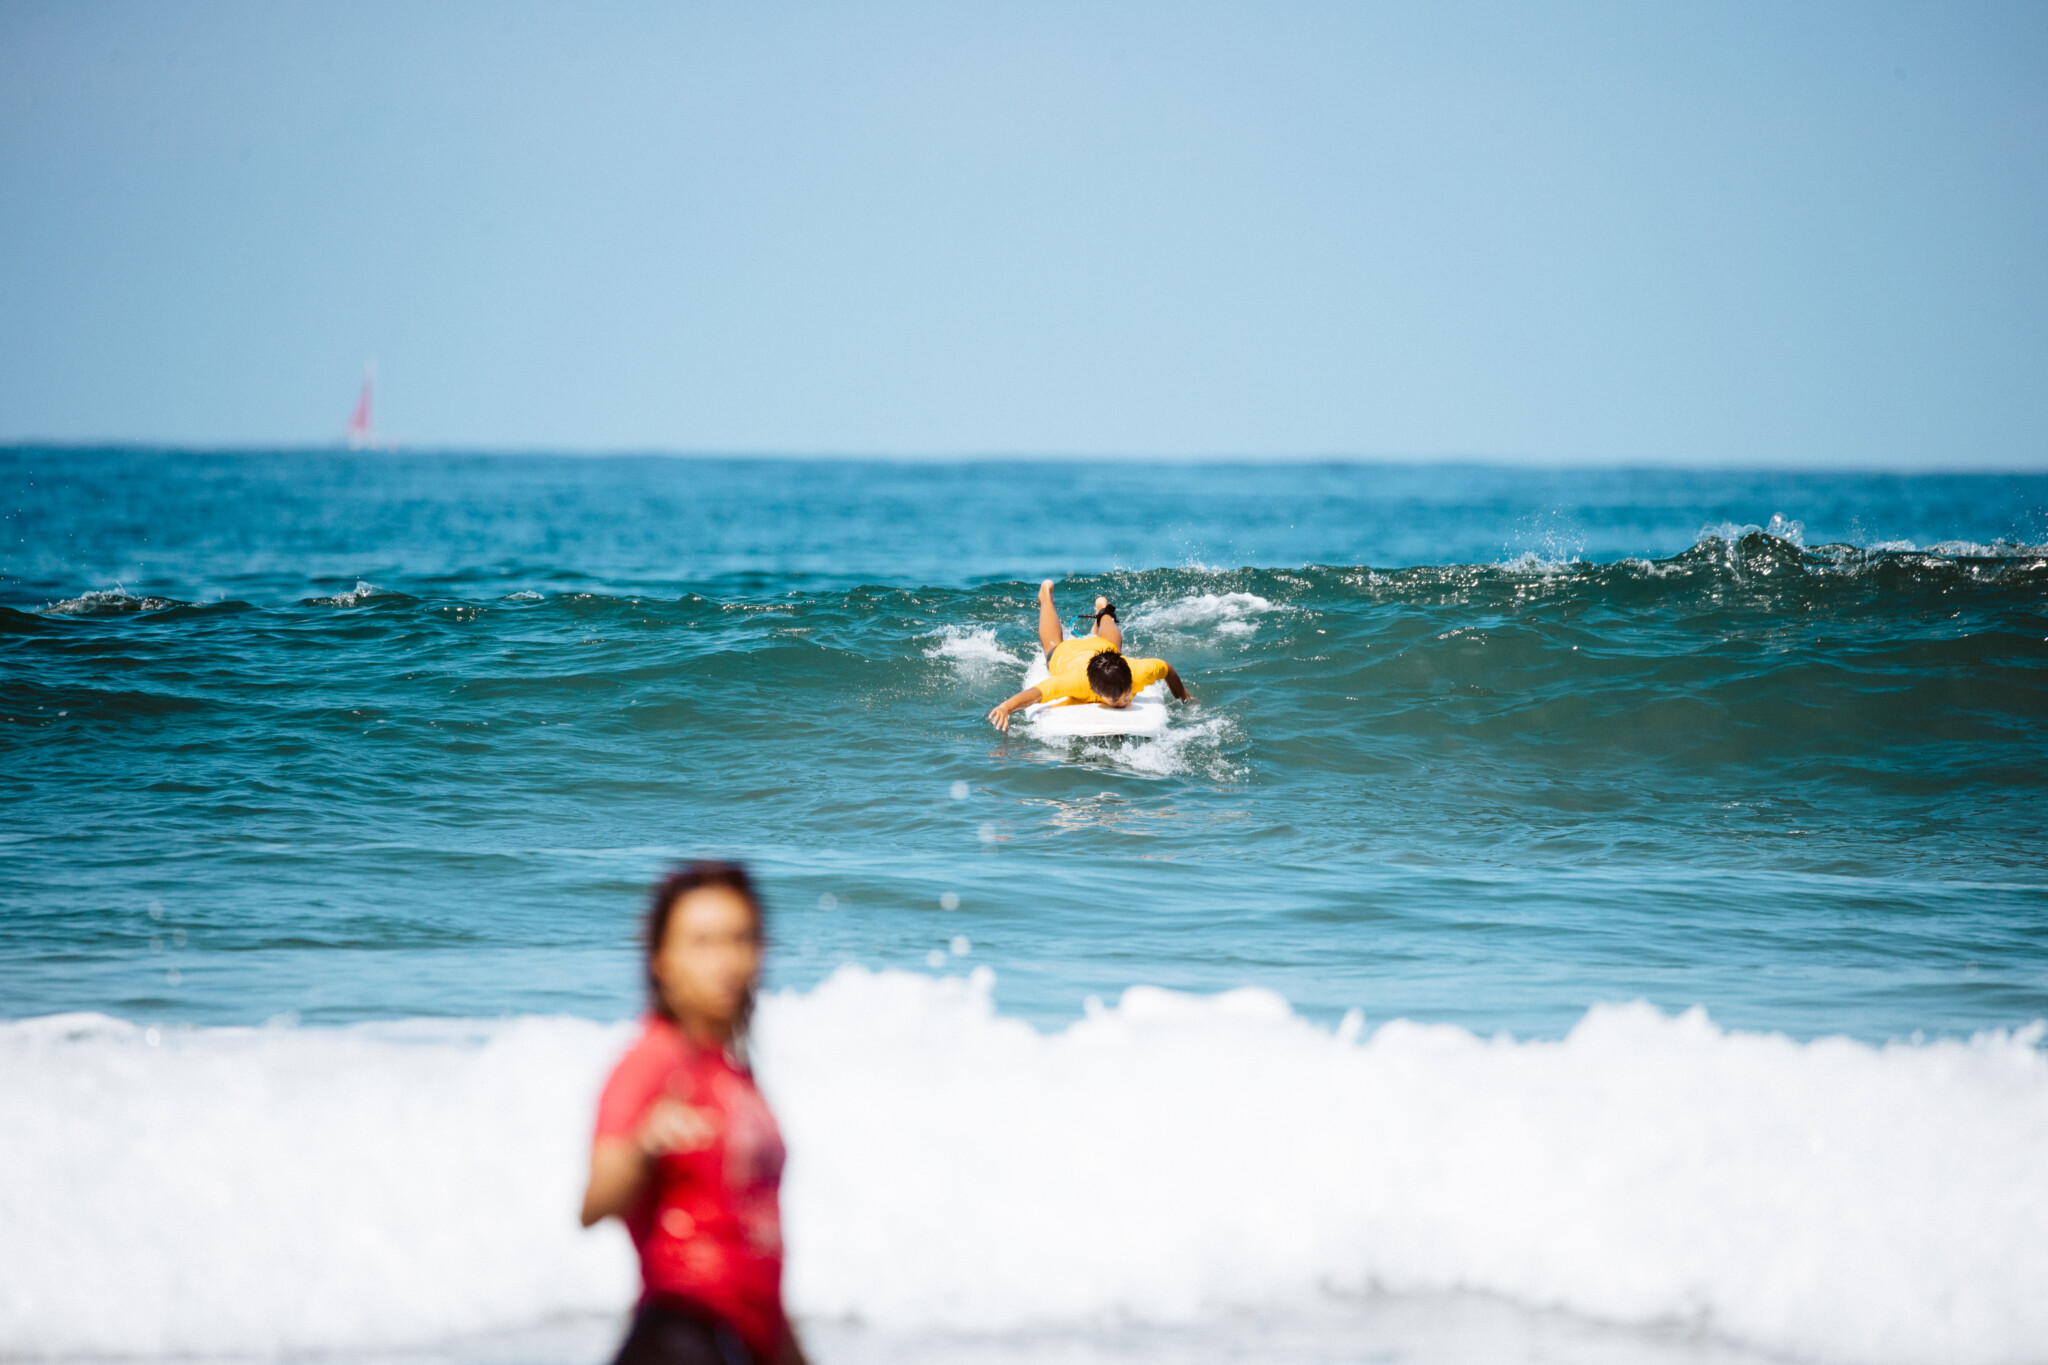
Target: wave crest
(115,601)
(973,649)
(362,592)
(1226,613)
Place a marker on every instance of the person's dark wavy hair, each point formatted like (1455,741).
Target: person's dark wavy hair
(661,907)
(1109,674)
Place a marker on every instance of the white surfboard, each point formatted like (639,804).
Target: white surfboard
(1146,715)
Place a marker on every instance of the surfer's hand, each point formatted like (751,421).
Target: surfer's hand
(999,716)
(671,1126)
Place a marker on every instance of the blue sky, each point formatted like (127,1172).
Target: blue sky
(1776,234)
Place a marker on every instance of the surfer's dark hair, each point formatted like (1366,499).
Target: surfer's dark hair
(661,908)
(1109,674)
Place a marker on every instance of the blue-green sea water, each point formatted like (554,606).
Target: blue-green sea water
(353,736)
(1585,916)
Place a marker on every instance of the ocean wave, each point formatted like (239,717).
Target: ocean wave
(1759,569)
(1767,571)
(1997,549)
(271,1189)
(1780,528)
(1187,604)
(116,601)
(1540,563)
(362,592)
(973,649)
(1172,1155)
(1166,1159)
(1226,613)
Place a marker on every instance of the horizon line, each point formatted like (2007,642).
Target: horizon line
(993,456)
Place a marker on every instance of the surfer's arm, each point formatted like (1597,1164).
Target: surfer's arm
(1000,716)
(1176,686)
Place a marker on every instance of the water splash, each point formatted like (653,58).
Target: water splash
(1229,613)
(115,601)
(974,650)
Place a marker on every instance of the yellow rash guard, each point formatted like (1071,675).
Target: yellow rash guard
(1068,665)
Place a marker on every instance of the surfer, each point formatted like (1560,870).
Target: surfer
(1088,668)
(687,1155)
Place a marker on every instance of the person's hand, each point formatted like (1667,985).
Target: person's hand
(672,1126)
(999,717)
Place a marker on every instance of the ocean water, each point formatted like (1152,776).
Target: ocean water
(1587,915)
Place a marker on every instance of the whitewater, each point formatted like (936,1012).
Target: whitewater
(1162,1160)
(1587,915)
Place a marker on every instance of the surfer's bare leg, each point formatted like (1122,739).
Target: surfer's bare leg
(1107,628)
(1050,632)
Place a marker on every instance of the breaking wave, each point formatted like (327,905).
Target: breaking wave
(973,649)
(355,597)
(1165,1159)
(1228,613)
(110,602)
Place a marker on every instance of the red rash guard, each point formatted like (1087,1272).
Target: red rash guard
(709,1226)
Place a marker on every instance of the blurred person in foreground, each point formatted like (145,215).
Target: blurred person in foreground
(687,1155)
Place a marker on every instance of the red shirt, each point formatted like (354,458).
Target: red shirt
(709,1225)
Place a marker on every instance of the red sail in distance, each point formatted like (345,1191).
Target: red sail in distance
(361,432)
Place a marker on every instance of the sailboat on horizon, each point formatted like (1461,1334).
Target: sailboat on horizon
(362,427)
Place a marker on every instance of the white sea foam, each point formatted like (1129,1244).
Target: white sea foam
(1791,532)
(525,595)
(1545,564)
(1794,533)
(1170,1159)
(1972,549)
(362,592)
(275,1189)
(972,649)
(1185,748)
(108,602)
(1227,613)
